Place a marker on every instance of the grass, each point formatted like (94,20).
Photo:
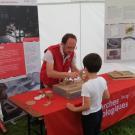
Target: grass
(19,128)
(124,127)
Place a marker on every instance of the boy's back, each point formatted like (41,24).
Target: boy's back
(94,89)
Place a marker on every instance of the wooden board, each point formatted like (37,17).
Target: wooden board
(122,74)
(69,89)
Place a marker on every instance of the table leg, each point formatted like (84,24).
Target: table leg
(42,129)
(29,124)
(40,123)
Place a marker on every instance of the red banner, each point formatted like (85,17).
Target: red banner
(118,107)
(12,62)
(32,39)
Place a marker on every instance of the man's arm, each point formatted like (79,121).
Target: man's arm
(55,74)
(74,68)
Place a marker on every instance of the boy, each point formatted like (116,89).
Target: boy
(93,91)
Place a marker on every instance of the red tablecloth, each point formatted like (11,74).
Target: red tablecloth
(61,121)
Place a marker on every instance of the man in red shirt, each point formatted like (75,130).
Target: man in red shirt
(58,60)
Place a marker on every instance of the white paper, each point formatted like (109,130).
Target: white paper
(120,30)
(32,56)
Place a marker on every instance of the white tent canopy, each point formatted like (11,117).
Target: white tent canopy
(71,1)
(84,18)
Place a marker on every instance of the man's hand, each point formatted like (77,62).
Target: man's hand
(73,75)
(84,75)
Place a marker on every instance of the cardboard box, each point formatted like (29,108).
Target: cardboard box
(69,89)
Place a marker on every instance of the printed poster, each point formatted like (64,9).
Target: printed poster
(12,60)
(19,51)
(120,30)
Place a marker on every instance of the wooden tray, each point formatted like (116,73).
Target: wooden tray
(69,89)
(121,74)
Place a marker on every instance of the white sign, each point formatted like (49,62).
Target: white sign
(120,30)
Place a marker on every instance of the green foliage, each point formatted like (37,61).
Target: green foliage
(124,127)
(20,128)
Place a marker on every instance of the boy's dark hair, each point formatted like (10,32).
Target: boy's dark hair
(92,62)
(67,36)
